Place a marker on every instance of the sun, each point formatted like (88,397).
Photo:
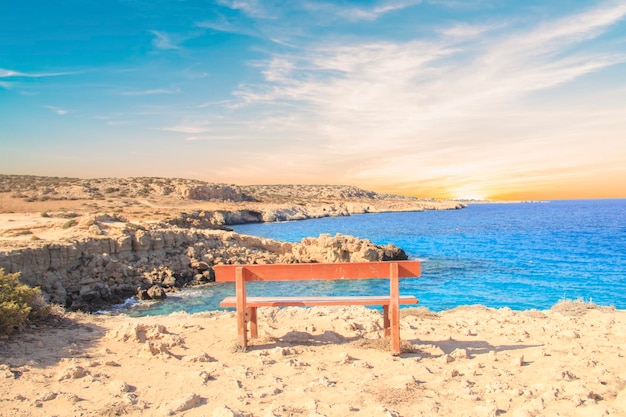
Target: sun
(468,192)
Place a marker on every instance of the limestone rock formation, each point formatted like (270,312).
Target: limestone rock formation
(161,234)
(98,271)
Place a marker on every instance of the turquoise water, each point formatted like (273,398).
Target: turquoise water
(522,256)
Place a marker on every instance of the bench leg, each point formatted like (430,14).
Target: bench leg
(242,330)
(252,318)
(386,323)
(242,325)
(394,309)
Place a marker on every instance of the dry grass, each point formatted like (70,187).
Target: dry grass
(421,312)
(385,345)
(577,308)
(21,233)
(395,396)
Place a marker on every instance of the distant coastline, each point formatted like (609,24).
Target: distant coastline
(89,243)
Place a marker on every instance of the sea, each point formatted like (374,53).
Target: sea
(522,256)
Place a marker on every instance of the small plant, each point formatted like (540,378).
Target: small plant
(22,233)
(134,226)
(235,348)
(70,223)
(18,303)
(45,214)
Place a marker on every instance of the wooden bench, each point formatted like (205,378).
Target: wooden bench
(247,306)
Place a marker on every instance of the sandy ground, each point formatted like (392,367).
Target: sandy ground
(470,361)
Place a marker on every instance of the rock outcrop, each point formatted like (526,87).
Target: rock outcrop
(165,233)
(35,188)
(216,219)
(96,272)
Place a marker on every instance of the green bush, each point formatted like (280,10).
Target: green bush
(18,303)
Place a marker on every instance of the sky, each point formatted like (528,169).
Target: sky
(477,99)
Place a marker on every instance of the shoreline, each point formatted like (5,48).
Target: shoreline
(179,300)
(471,360)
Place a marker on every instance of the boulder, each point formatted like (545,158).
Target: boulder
(156,293)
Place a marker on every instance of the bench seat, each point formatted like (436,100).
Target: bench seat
(252,303)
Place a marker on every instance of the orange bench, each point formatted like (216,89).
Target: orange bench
(247,306)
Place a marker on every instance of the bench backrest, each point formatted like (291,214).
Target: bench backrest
(318,271)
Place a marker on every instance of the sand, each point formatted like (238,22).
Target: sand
(470,361)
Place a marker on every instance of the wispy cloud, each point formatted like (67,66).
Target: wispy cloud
(165,41)
(465,31)
(57,110)
(420,73)
(355,13)
(285,22)
(185,129)
(412,98)
(252,8)
(151,92)
(6,73)
(230,25)
(270,10)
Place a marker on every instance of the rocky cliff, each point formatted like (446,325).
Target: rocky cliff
(160,234)
(95,272)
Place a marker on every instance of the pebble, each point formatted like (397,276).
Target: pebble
(118,387)
(224,411)
(518,361)
(568,376)
(74,372)
(459,354)
(47,396)
(187,403)
(344,358)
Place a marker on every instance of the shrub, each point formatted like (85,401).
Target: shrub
(134,227)
(70,223)
(18,303)
(22,233)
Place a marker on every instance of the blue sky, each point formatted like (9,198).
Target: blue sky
(476,98)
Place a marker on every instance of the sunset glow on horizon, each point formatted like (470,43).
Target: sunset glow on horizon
(466,100)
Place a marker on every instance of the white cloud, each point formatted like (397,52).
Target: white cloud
(57,110)
(324,11)
(151,92)
(5,73)
(355,13)
(375,76)
(8,73)
(165,41)
(367,101)
(252,8)
(185,129)
(223,24)
(464,31)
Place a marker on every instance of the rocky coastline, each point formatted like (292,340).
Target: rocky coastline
(89,244)
(94,273)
